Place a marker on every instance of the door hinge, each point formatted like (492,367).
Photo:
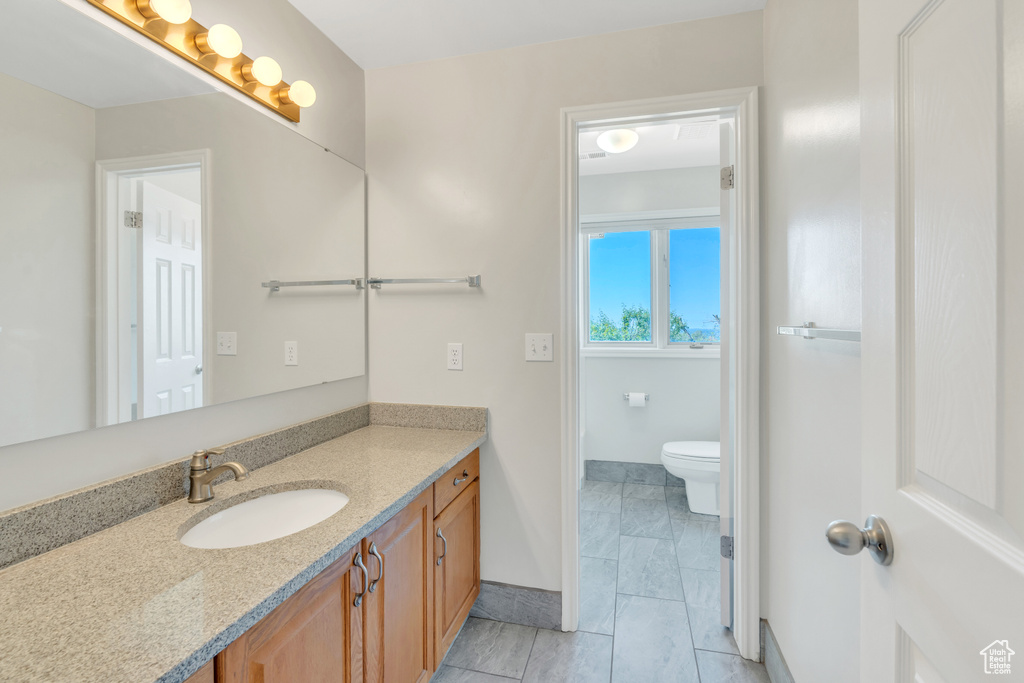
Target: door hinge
(728,181)
(727,547)
(133,219)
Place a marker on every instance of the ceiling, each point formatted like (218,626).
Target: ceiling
(391,32)
(684,143)
(89,64)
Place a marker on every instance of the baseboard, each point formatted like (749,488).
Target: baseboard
(630,473)
(774,662)
(518,605)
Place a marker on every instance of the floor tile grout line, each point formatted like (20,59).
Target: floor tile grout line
(526,668)
(689,620)
(651,597)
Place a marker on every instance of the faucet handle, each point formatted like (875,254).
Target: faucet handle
(201,459)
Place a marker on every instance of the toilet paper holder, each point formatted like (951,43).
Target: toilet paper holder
(625,397)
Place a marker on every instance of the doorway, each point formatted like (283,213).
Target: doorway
(648,254)
(153,248)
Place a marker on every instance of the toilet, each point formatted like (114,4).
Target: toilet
(698,464)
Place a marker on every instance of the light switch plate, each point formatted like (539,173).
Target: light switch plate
(540,346)
(227,343)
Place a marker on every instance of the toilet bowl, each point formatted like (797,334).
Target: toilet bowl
(698,464)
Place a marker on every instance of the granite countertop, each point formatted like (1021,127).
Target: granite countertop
(131,603)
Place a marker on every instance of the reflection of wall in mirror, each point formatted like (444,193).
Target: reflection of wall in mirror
(46,264)
(282,208)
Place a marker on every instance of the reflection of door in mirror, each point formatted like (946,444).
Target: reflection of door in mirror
(170,301)
(155,234)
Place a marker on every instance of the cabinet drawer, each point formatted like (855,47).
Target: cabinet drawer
(454,481)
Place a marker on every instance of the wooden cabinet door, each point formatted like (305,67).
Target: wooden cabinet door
(457,567)
(315,636)
(399,642)
(204,675)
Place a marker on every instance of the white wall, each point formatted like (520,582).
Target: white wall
(337,121)
(684,406)
(463,163)
(811,270)
(46,181)
(677,188)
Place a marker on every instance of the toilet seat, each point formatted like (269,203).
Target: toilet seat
(696,451)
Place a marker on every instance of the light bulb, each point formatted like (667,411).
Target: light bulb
(300,93)
(263,70)
(618,141)
(220,39)
(171,11)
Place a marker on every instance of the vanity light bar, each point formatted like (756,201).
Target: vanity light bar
(191,41)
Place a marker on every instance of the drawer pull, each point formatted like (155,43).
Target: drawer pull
(376,553)
(444,551)
(465,476)
(358,561)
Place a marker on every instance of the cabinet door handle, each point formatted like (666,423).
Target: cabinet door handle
(358,561)
(444,551)
(465,475)
(380,576)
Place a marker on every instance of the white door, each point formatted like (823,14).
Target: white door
(942,183)
(171,298)
(727,430)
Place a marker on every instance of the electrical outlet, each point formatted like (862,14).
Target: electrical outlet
(227,343)
(291,353)
(540,346)
(455,356)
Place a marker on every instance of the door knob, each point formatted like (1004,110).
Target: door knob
(847,538)
(199,369)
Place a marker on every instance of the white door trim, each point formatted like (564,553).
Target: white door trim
(746,329)
(108,174)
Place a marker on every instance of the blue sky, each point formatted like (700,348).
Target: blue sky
(620,273)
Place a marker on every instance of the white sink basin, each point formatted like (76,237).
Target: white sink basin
(265,518)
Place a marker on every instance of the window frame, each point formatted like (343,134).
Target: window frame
(658,224)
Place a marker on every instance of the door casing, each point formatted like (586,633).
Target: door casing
(744,324)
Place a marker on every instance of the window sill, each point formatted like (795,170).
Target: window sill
(624,352)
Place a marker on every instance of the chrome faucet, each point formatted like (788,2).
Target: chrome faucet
(201,477)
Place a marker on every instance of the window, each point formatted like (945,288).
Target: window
(620,286)
(694,301)
(652,288)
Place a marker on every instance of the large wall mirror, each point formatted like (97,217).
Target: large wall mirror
(141,211)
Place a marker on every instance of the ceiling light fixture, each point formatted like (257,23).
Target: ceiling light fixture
(618,141)
(300,93)
(222,40)
(171,11)
(263,70)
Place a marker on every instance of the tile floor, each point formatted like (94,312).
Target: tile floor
(649,604)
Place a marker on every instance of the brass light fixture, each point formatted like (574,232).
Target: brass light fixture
(216,50)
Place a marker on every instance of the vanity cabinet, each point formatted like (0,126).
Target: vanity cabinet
(415,579)
(315,636)
(457,568)
(399,642)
